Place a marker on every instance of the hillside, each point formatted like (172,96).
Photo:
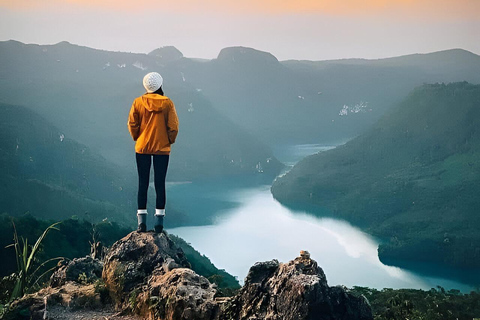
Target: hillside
(297,102)
(73,240)
(233,107)
(412,179)
(54,177)
(88,93)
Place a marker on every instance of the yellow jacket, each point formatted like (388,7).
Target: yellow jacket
(153,124)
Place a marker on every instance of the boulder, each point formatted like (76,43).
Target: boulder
(70,296)
(296,290)
(177,294)
(146,274)
(81,270)
(132,259)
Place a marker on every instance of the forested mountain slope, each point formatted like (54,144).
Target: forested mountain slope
(412,179)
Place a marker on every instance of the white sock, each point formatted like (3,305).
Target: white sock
(141,211)
(159,212)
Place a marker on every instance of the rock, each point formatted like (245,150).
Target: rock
(296,290)
(81,270)
(178,294)
(71,296)
(304,254)
(261,271)
(132,259)
(146,274)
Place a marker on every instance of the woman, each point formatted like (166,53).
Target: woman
(153,124)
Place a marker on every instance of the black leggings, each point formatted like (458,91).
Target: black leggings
(160,165)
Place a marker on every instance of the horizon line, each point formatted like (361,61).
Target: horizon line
(240,46)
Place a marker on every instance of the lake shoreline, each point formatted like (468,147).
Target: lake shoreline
(220,192)
(222,240)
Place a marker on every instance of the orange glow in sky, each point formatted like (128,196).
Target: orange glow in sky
(290,29)
(442,9)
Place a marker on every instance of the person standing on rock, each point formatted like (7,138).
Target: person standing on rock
(153,124)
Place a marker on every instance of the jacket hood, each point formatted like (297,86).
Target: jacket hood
(154,102)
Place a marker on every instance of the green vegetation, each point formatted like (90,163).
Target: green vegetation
(73,238)
(26,261)
(413,179)
(435,304)
(54,177)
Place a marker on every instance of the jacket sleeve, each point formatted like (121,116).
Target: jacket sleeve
(134,123)
(172,123)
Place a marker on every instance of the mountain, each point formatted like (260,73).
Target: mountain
(412,179)
(167,54)
(242,95)
(52,176)
(88,93)
(297,102)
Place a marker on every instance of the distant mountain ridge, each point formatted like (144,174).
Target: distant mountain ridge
(412,179)
(276,102)
(87,93)
(299,102)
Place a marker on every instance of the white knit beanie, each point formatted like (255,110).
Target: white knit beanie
(152,81)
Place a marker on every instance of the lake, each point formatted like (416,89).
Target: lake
(248,225)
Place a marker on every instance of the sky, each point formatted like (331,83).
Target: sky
(300,29)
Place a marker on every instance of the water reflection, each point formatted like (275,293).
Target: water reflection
(261,229)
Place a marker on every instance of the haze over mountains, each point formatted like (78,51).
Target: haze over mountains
(232,111)
(52,176)
(231,108)
(88,93)
(319,102)
(412,179)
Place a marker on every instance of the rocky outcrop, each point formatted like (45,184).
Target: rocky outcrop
(178,294)
(70,296)
(73,285)
(147,275)
(81,270)
(132,259)
(296,290)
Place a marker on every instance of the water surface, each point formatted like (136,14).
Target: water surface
(242,224)
(260,229)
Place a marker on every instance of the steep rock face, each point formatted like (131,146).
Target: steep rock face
(295,290)
(178,294)
(132,259)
